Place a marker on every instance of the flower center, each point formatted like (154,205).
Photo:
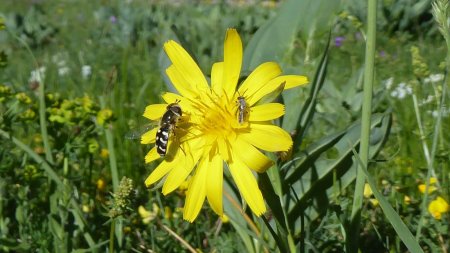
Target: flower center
(218,117)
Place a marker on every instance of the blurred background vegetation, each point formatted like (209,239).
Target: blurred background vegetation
(102,63)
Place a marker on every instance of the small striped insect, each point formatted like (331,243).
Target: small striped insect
(242,109)
(166,126)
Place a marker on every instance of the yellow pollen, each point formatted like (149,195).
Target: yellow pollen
(217,119)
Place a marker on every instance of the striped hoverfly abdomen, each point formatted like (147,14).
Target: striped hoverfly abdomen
(166,127)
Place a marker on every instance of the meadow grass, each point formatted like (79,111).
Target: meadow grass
(104,64)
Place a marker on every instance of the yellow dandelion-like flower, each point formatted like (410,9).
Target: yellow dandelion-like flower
(220,123)
(437,207)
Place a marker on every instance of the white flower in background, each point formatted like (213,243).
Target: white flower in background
(434,78)
(62,71)
(37,75)
(401,91)
(86,71)
(426,101)
(60,62)
(435,113)
(388,83)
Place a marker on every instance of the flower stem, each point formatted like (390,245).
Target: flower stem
(42,108)
(353,237)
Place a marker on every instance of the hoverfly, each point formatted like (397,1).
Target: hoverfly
(166,125)
(242,109)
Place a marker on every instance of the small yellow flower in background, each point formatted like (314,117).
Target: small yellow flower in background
(407,200)
(367,191)
(220,122)
(93,145)
(28,114)
(104,153)
(437,207)
(148,216)
(101,185)
(433,180)
(374,202)
(86,208)
(368,194)
(168,213)
(23,98)
(431,187)
(103,116)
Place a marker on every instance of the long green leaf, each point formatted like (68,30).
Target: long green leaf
(402,230)
(312,188)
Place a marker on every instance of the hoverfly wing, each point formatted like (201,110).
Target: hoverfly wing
(136,133)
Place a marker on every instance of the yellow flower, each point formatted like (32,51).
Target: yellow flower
(104,153)
(168,213)
(101,184)
(407,200)
(437,207)
(104,116)
(374,202)
(431,188)
(148,216)
(433,180)
(213,129)
(367,191)
(23,98)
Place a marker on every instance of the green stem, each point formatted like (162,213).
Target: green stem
(353,237)
(429,165)
(111,235)
(42,108)
(114,172)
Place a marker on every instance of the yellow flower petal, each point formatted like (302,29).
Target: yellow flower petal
(217,78)
(150,136)
(224,148)
(247,185)
(443,205)
(251,156)
(268,137)
(186,66)
(266,112)
(163,168)
(196,193)
(437,207)
(179,173)
(293,81)
(232,62)
(152,155)
(258,78)
(185,104)
(155,111)
(214,184)
(179,82)
(289,81)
